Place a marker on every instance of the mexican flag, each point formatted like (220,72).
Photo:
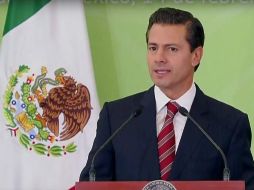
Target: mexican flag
(49,106)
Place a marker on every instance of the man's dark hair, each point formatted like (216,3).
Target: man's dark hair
(195,32)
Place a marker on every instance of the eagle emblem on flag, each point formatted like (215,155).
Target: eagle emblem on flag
(45,112)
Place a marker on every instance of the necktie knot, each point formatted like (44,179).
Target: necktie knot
(172,107)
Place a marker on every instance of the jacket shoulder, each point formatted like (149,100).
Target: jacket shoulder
(223,107)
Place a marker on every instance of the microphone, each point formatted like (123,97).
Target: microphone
(136,113)
(226,171)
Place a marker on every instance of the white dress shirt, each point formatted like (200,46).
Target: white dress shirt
(179,121)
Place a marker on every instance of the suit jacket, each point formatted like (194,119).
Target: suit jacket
(132,155)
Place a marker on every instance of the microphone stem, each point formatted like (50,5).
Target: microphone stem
(226,171)
(92,173)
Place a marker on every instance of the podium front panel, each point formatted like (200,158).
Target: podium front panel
(180,185)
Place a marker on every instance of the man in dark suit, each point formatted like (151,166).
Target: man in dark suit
(175,42)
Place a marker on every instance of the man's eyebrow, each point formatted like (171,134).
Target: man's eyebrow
(152,43)
(169,44)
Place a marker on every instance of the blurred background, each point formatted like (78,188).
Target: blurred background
(117,38)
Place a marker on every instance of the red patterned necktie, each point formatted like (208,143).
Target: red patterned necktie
(166,141)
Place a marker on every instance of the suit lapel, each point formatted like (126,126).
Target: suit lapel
(191,135)
(149,169)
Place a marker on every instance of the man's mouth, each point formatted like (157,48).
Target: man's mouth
(162,71)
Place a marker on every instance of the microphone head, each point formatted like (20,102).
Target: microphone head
(138,111)
(183,111)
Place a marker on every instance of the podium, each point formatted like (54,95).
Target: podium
(180,185)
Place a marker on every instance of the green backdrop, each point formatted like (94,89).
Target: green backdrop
(117,38)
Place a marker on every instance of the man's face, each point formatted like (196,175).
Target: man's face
(170,61)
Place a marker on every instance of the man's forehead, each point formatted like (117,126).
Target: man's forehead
(167,32)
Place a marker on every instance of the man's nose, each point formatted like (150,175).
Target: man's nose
(160,56)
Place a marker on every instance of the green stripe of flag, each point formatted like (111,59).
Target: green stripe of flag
(20,10)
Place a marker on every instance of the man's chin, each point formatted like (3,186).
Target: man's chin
(162,86)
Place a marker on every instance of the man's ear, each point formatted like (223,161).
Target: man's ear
(197,55)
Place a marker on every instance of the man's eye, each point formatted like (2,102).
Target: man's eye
(152,48)
(173,49)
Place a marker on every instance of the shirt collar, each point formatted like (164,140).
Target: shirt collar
(185,100)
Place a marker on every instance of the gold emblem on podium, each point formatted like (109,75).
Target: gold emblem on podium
(159,185)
